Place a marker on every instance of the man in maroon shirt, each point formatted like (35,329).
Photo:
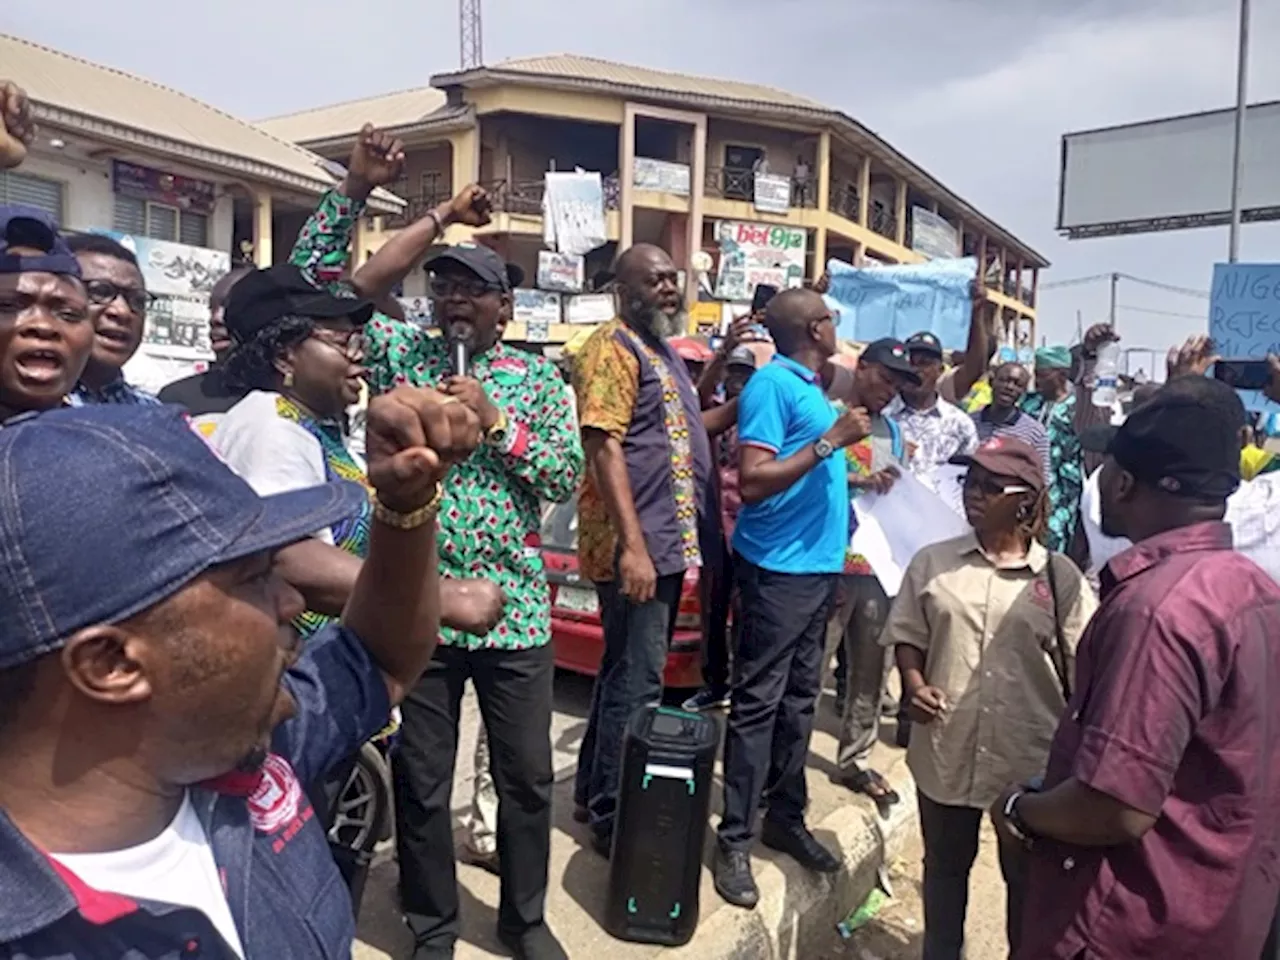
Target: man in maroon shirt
(1157,832)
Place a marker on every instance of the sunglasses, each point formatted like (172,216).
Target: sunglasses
(992,487)
(443,287)
(103,292)
(350,345)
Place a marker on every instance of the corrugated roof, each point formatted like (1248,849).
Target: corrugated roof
(384,111)
(594,70)
(59,84)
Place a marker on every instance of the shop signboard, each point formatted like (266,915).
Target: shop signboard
(562,272)
(755,253)
(661,176)
(537,309)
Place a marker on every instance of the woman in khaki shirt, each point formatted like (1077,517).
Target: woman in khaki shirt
(975,633)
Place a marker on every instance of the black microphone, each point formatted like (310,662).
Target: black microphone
(461,336)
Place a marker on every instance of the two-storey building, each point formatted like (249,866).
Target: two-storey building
(768,184)
(190,188)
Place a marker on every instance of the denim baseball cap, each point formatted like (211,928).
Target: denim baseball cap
(22,226)
(107,510)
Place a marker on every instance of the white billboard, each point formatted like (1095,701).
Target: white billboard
(1168,174)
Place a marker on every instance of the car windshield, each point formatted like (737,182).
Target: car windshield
(560,526)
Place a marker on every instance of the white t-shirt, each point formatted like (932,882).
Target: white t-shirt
(177,867)
(272,454)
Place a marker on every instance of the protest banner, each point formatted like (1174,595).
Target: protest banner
(1244,316)
(897,301)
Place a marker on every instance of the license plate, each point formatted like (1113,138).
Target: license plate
(577,600)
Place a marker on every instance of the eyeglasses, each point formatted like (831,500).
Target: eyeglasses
(350,345)
(103,292)
(992,487)
(444,287)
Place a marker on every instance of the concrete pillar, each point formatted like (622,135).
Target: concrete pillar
(900,213)
(626,178)
(697,191)
(824,203)
(262,210)
(864,193)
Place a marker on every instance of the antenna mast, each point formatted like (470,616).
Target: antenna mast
(469,33)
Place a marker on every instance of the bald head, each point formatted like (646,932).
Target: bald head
(648,291)
(799,321)
(636,261)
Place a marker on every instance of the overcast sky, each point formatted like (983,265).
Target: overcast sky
(976,91)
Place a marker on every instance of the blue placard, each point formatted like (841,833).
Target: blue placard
(899,301)
(1244,317)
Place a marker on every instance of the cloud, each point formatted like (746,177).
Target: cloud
(978,92)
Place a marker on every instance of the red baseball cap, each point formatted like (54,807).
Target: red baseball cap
(1010,457)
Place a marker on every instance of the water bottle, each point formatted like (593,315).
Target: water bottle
(1106,372)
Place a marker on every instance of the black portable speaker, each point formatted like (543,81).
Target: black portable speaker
(664,799)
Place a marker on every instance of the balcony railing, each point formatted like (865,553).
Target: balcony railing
(739,183)
(516,196)
(416,208)
(730,183)
(883,222)
(845,200)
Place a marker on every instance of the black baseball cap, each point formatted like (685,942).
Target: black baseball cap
(26,227)
(892,355)
(741,357)
(924,342)
(1185,440)
(262,297)
(483,262)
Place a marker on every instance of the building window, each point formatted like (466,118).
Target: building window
(143,218)
(39,192)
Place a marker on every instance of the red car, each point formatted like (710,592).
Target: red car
(576,633)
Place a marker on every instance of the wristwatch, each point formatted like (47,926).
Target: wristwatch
(823,448)
(496,435)
(1017,826)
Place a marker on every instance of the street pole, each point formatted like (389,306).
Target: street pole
(1115,280)
(1242,93)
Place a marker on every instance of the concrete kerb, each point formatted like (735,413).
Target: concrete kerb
(798,911)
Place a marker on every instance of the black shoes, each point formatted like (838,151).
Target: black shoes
(734,881)
(798,843)
(536,943)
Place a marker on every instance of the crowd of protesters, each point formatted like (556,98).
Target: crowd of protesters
(213,597)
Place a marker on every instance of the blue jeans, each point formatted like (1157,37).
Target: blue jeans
(636,640)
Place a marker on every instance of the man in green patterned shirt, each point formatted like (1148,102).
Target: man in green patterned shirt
(489,527)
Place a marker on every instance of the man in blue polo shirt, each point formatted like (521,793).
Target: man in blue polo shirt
(790,543)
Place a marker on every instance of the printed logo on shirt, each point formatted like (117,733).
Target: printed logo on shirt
(508,371)
(277,798)
(1040,594)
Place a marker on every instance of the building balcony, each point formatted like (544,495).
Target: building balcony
(416,208)
(845,200)
(739,183)
(883,222)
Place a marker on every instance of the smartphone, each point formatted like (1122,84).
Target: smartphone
(1243,374)
(764,293)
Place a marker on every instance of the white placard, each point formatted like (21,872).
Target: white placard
(894,527)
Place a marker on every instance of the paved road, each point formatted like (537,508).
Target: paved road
(381,931)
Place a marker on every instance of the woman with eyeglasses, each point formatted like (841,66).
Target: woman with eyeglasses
(984,630)
(118,303)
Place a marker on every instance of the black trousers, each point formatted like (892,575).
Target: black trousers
(514,688)
(950,847)
(777,674)
(716,596)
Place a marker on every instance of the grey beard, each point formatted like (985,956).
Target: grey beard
(660,324)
